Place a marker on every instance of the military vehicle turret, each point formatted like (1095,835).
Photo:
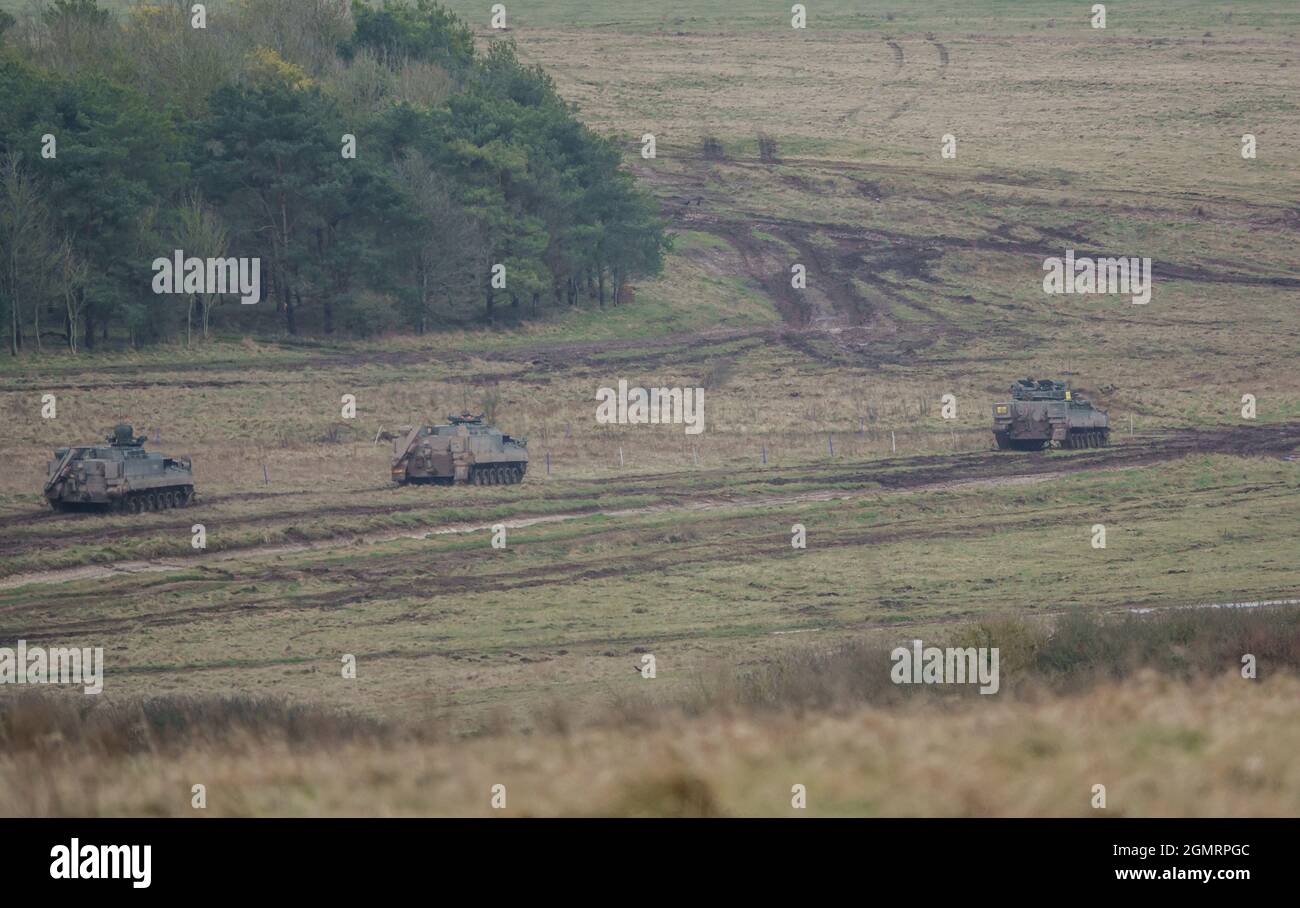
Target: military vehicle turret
(118,475)
(464,450)
(1045,411)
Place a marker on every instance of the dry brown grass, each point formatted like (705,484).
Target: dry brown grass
(1161,748)
(1038,659)
(1152,708)
(37,724)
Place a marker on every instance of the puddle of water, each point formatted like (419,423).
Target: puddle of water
(1260,604)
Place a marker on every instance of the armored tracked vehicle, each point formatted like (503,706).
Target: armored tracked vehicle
(465,450)
(1045,411)
(118,475)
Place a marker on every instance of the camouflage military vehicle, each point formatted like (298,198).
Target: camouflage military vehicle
(1042,412)
(119,475)
(466,450)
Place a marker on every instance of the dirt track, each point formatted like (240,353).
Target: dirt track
(709,491)
(866,271)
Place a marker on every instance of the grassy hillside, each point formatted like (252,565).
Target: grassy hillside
(700,573)
(822,408)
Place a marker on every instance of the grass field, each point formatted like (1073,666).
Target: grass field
(822,408)
(1175,737)
(444,625)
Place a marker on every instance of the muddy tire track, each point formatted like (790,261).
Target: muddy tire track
(720,491)
(898,54)
(941,73)
(382,578)
(542,355)
(899,60)
(378,584)
(916,253)
(943,57)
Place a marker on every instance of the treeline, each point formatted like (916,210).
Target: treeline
(387,175)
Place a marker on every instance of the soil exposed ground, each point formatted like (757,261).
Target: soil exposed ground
(20,533)
(692,565)
(443,624)
(862,275)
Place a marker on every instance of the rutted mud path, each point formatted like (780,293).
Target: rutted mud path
(867,256)
(920,473)
(382,577)
(925,248)
(545,354)
(390,577)
(156,565)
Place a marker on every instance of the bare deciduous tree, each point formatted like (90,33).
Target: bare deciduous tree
(71,274)
(25,249)
(201,234)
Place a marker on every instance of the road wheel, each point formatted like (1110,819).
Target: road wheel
(150,502)
(496,476)
(518,475)
(477,478)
